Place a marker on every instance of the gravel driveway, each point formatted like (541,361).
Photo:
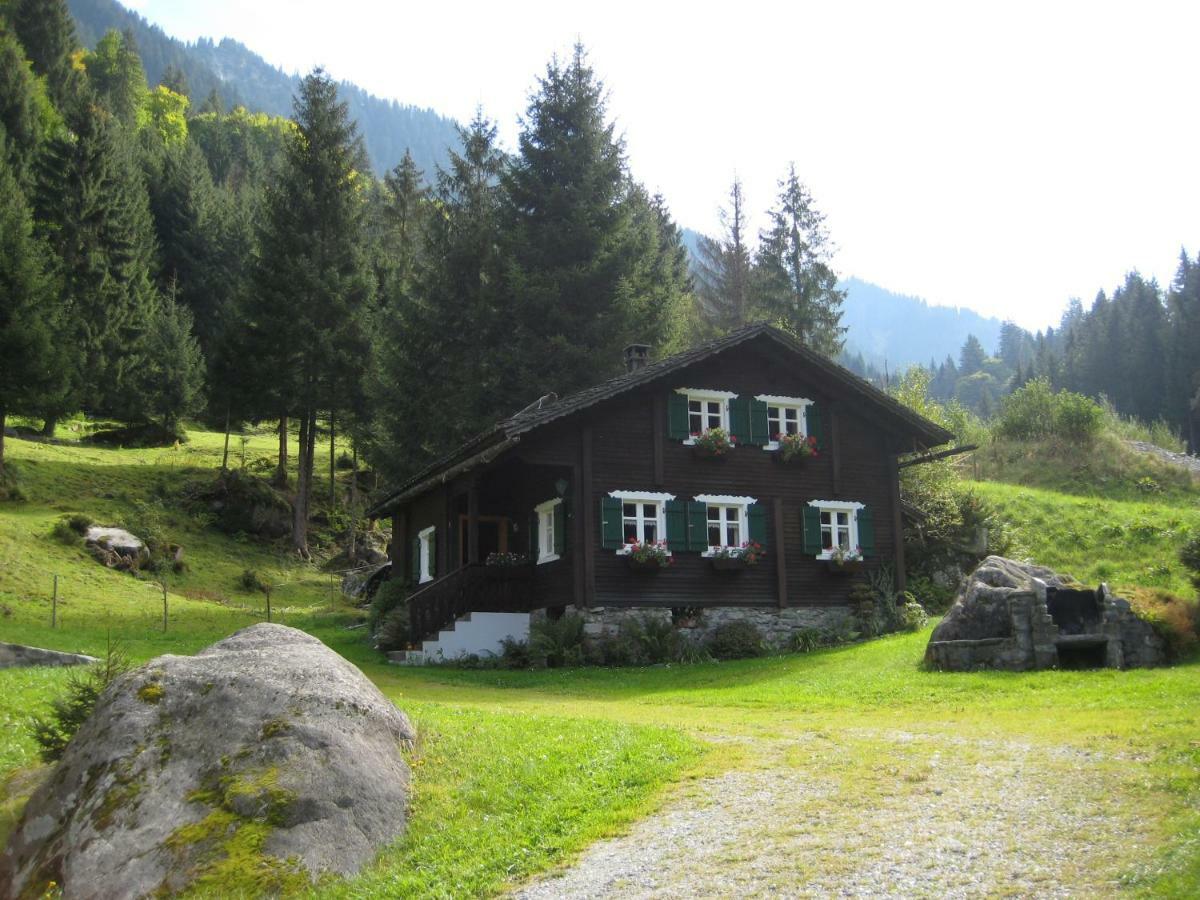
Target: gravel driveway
(886,814)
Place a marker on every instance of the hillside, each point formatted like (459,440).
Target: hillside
(242,77)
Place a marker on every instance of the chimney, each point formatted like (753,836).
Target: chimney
(637,356)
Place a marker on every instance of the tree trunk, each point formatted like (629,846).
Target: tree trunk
(281,470)
(300,504)
(332,482)
(225,452)
(353,554)
(3,419)
(48,426)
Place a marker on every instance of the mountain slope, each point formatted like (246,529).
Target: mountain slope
(241,76)
(906,330)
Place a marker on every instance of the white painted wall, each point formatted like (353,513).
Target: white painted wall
(479,633)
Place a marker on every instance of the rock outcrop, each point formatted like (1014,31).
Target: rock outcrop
(15,656)
(266,745)
(1017,616)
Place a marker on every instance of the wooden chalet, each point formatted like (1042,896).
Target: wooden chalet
(568,483)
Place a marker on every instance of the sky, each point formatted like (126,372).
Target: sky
(1003,156)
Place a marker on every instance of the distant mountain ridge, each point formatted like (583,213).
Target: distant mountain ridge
(895,330)
(241,76)
(904,330)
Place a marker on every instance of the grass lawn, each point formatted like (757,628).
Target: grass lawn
(517,772)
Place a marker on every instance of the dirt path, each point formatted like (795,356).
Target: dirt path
(886,814)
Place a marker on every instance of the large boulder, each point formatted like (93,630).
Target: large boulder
(116,547)
(981,609)
(266,754)
(241,503)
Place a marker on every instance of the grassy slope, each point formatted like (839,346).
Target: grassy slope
(518,770)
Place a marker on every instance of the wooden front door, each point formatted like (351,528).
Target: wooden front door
(493,537)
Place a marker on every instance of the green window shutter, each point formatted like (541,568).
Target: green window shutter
(414,565)
(433,554)
(739,419)
(812,529)
(677,526)
(677,417)
(866,531)
(612,535)
(756,517)
(759,429)
(560,528)
(814,426)
(697,526)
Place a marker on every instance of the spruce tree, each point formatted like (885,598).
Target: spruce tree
(26,114)
(972,356)
(171,377)
(115,74)
(1183,364)
(30,314)
(794,284)
(579,275)
(307,312)
(47,32)
(724,267)
(93,208)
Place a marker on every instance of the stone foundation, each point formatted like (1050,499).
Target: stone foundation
(776,625)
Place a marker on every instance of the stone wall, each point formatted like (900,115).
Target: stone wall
(13,656)
(777,625)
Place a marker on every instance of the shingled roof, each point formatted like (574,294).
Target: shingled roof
(509,431)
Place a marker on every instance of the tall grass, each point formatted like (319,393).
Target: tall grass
(1128,428)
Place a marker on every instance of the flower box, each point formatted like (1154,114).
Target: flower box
(794,449)
(644,566)
(708,453)
(728,565)
(523,572)
(845,566)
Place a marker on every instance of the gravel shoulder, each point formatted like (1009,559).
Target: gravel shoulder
(1183,460)
(879,814)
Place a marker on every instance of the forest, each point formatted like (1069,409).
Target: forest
(166,260)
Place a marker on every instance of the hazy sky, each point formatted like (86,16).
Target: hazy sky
(1004,157)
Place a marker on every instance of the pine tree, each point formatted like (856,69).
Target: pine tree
(30,315)
(579,276)
(794,284)
(115,74)
(306,316)
(171,377)
(1183,365)
(26,115)
(93,208)
(442,337)
(175,80)
(724,268)
(47,32)
(972,357)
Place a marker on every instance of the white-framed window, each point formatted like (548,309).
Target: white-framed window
(425,542)
(785,416)
(727,520)
(643,516)
(547,519)
(839,525)
(706,409)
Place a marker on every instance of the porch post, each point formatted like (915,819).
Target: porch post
(897,522)
(473,521)
(588,511)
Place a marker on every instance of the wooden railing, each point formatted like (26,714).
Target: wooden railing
(471,588)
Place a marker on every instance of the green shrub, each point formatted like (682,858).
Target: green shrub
(653,639)
(913,616)
(62,532)
(514,654)
(688,649)
(390,596)
(393,629)
(10,484)
(344,461)
(736,640)
(79,523)
(1189,555)
(54,730)
(934,599)
(1035,411)
(251,581)
(557,643)
(1174,619)
(807,640)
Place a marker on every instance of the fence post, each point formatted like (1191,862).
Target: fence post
(268,604)
(54,605)
(164,589)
